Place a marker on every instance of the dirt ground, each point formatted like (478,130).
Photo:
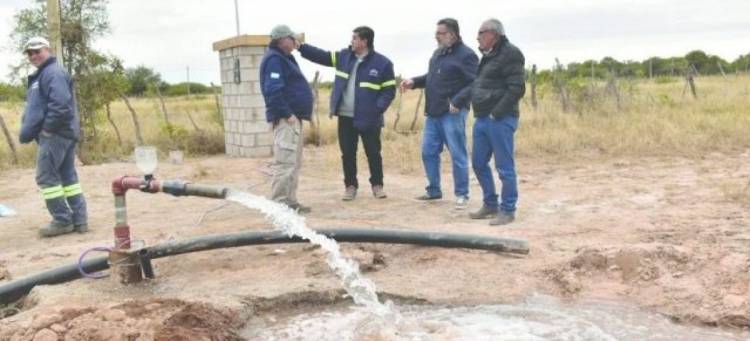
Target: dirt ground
(660,233)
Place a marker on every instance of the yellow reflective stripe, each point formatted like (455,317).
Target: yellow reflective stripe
(74,189)
(52,189)
(391,82)
(369,85)
(333,58)
(52,192)
(342,74)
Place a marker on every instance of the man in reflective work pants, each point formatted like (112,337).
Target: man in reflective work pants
(51,118)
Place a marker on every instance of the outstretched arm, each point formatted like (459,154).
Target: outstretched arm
(317,55)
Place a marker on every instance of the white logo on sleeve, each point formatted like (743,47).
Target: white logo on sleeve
(275,75)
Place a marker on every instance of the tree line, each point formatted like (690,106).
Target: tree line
(137,82)
(702,62)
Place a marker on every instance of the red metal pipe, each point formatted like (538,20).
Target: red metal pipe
(124,183)
(120,186)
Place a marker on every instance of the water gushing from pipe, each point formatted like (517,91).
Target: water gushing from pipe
(361,289)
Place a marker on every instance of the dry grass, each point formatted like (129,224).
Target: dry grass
(737,192)
(654,119)
(153,129)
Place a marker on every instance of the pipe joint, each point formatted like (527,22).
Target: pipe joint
(174,187)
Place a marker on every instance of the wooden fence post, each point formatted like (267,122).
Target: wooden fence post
(690,82)
(721,69)
(9,139)
(163,106)
(416,111)
(218,105)
(137,125)
(613,89)
(112,122)
(534,103)
(561,86)
(316,107)
(398,109)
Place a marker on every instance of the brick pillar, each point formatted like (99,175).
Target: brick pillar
(246,132)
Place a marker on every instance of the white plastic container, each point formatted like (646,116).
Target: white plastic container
(146,159)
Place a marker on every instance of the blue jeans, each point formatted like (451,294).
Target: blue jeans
(495,137)
(450,130)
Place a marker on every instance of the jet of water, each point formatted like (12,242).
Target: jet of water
(361,289)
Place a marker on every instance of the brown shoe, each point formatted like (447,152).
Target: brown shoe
(350,193)
(300,209)
(503,218)
(484,212)
(378,192)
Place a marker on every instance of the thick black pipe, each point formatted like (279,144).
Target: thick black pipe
(341,235)
(12,291)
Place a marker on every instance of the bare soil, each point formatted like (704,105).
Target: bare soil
(660,233)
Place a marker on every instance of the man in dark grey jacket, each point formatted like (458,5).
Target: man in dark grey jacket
(453,67)
(496,91)
(51,118)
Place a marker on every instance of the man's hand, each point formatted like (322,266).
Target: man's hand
(453,109)
(291,119)
(406,84)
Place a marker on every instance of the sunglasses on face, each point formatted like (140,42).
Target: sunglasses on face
(32,52)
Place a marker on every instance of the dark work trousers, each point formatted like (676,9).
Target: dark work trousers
(348,141)
(56,176)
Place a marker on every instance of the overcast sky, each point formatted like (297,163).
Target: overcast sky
(170,35)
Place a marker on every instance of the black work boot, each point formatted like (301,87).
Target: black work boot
(56,228)
(485,212)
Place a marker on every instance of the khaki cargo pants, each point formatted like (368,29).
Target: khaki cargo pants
(287,159)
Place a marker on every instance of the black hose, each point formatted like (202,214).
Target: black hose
(12,291)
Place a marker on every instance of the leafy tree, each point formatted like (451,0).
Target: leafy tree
(699,59)
(742,63)
(97,77)
(140,78)
(181,89)
(82,21)
(11,93)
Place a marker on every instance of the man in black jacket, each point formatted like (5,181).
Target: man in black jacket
(453,67)
(499,86)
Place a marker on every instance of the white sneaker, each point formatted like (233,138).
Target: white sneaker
(461,203)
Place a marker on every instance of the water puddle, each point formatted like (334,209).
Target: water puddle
(539,318)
